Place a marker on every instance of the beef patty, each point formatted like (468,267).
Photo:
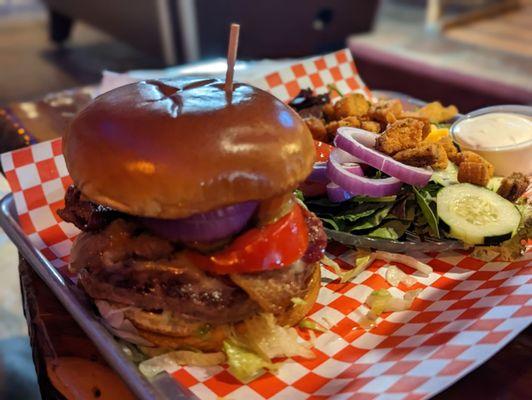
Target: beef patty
(122,262)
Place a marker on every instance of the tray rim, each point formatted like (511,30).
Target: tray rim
(162,387)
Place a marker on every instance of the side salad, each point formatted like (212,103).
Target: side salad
(405,180)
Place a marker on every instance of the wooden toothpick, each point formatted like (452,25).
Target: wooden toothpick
(231,58)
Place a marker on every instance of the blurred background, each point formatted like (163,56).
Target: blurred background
(471,53)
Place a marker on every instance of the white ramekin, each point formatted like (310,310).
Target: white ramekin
(505,159)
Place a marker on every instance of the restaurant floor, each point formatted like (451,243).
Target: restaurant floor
(32,66)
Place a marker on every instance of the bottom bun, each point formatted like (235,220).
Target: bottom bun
(213,339)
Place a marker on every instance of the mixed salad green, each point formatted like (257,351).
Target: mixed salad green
(422,213)
(391,217)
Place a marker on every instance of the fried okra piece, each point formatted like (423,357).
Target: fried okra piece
(328,112)
(442,160)
(386,111)
(470,157)
(317,129)
(401,135)
(332,127)
(351,105)
(472,168)
(350,121)
(423,120)
(513,186)
(449,147)
(425,155)
(371,126)
(437,113)
(421,156)
(473,172)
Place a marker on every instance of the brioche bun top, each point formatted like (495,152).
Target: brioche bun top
(170,149)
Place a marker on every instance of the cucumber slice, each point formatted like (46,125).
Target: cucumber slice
(476,215)
(446,177)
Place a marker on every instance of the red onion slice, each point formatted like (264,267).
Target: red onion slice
(336,194)
(354,168)
(359,185)
(207,227)
(319,171)
(355,141)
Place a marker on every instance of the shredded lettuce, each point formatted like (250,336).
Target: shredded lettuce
(331,263)
(368,321)
(244,364)
(404,259)
(251,349)
(171,361)
(381,301)
(266,338)
(395,276)
(309,324)
(363,260)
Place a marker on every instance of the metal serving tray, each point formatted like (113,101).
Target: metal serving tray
(162,387)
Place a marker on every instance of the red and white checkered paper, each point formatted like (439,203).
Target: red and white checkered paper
(468,309)
(336,68)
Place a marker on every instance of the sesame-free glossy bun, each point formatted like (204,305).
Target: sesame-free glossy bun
(170,149)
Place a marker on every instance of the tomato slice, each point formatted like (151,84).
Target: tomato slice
(322,150)
(260,249)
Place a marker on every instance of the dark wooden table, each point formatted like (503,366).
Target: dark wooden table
(69,366)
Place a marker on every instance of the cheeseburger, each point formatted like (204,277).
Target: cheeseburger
(184,196)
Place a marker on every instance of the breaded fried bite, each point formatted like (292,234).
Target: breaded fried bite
(442,160)
(437,113)
(401,135)
(332,127)
(328,112)
(513,186)
(425,155)
(449,147)
(350,105)
(371,126)
(421,156)
(470,157)
(350,121)
(474,172)
(423,120)
(317,128)
(386,111)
